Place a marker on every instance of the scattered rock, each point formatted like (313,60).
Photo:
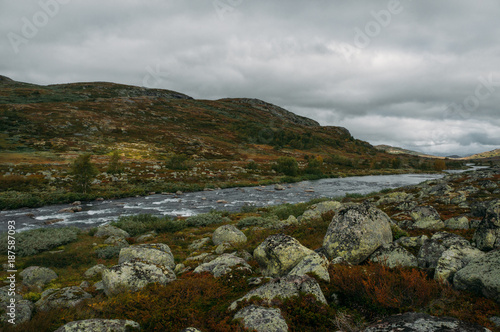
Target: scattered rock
(190,329)
(487,235)
(426,217)
(71,209)
(221,201)
(317,210)
(432,249)
(146,237)
(23,309)
(418,322)
(37,276)
(262,319)
(108,230)
(457,223)
(279,253)
(279,187)
(228,233)
(198,244)
(284,288)
(66,297)
(94,271)
(454,259)
(154,253)
(393,255)
(116,241)
(481,276)
(413,242)
(356,232)
(314,263)
(222,265)
(97,325)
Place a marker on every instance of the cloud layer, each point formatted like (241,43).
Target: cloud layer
(420,75)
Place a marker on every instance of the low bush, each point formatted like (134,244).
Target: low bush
(34,241)
(107,252)
(256,221)
(143,223)
(205,219)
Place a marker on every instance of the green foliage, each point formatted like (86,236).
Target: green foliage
(336,160)
(398,232)
(205,219)
(59,260)
(287,166)
(108,252)
(32,296)
(396,163)
(253,166)
(83,172)
(178,162)
(115,166)
(143,223)
(314,166)
(34,241)
(257,221)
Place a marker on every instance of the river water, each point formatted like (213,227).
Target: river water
(95,213)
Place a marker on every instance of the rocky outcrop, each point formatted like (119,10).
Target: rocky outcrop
(284,288)
(487,235)
(393,255)
(262,319)
(22,311)
(61,298)
(94,271)
(37,276)
(278,254)
(317,210)
(418,322)
(426,217)
(98,325)
(481,276)
(313,263)
(432,249)
(132,276)
(222,265)
(457,223)
(108,230)
(356,232)
(154,253)
(228,234)
(454,259)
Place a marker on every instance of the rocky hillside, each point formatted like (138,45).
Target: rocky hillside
(493,155)
(420,258)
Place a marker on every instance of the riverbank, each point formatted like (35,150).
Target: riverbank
(441,236)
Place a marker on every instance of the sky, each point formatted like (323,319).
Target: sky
(422,75)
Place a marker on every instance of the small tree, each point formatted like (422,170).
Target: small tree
(314,166)
(115,166)
(287,166)
(178,162)
(83,172)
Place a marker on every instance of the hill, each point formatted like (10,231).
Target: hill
(493,154)
(165,140)
(401,151)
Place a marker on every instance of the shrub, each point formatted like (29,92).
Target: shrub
(178,162)
(115,166)
(252,166)
(143,223)
(34,241)
(205,219)
(83,172)
(107,252)
(287,166)
(256,221)
(398,232)
(60,260)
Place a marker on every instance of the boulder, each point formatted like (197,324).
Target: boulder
(116,241)
(397,197)
(154,253)
(262,319)
(317,210)
(279,187)
(228,233)
(222,265)
(412,242)
(454,259)
(356,232)
(392,255)
(94,271)
(97,325)
(146,237)
(457,223)
(23,310)
(279,253)
(37,276)
(481,276)
(108,230)
(132,276)
(432,249)
(313,263)
(190,329)
(419,322)
(487,235)
(284,288)
(198,244)
(426,217)
(66,297)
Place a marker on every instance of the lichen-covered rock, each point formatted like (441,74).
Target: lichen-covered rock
(146,237)
(487,235)
(457,223)
(314,263)
(198,244)
(284,288)
(392,255)
(154,253)
(37,276)
(262,319)
(426,217)
(108,230)
(454,259)
(190,329)
(66,297)
(278,254)
(432,249)
(116,241)
(396,197)
(356,232)
(94,271)
(100,325)
(481,276)
(418,322)
(317,210)
(412,242)
(132,276)
(22,311)
(228,233)
(222,265)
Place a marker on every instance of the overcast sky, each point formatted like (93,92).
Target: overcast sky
(423,75)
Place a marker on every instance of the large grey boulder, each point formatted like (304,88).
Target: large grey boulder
(313,263)
(223,264)
(356,232)
(132,276)
(481,276)
(100,325)
(262,319)
(37,276)
(487,235)
(392,255)
(418,322)
(229,234)
(66,297)
(21,312)
(426,217)
(457,223)
(108,230)
(154,253)
(454,259)
(94,271)
(278,254)
(396,197)
(284,288)
(432,249)
(317,210)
